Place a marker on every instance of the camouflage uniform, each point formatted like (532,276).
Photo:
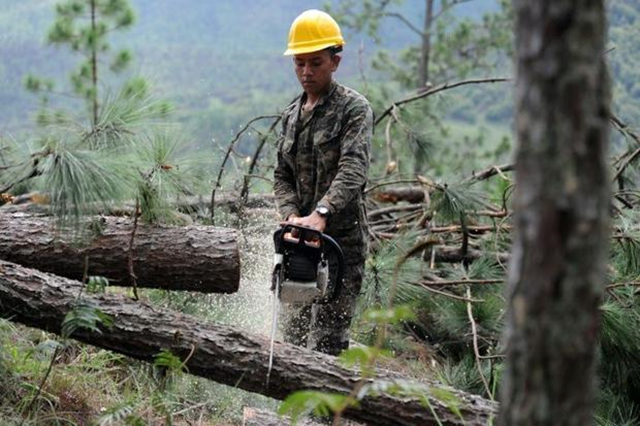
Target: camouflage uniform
(323,158)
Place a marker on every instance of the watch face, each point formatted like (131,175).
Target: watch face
(323,211)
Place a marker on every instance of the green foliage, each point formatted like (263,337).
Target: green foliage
(79,182)
(302,403)
(97,285)
(452,202)
(165,173)
(85,316)
(165,358)
(121,414)
(83,26)
(457,47)
(363,357)
(390,316)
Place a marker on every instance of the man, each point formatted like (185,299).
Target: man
(323,158)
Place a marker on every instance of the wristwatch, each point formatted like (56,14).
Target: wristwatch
(322,211)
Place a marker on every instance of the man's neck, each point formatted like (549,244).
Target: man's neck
(313,98)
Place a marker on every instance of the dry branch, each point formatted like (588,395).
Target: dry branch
(226,158)
(435,90)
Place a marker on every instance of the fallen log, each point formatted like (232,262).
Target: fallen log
(223,354)
(194,258)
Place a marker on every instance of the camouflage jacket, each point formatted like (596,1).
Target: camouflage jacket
(323,160)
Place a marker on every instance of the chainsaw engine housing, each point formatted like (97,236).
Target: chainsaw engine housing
(301,265)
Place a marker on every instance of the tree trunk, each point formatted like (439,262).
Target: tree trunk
(557,272)
(425,46)
(221,353)
(94,65)
(195,258)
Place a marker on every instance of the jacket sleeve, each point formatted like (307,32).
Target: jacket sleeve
(284,186)
(354,158)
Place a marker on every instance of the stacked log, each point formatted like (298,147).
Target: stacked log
(195,257)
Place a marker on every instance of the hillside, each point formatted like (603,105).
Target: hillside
(220,62)
(221,56)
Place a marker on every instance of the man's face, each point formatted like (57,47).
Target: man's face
(314,70)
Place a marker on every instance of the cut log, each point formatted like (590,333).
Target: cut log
(221,353)
(195,258)
(410,194)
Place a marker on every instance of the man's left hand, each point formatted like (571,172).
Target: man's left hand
(314,221)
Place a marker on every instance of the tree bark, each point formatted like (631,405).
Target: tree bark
(425,46)
(257,417)
(220,353)
(557,271)
(195,258)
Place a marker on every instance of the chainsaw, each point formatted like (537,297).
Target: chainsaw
(301,265)
(301,271)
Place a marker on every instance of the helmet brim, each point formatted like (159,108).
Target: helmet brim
(310,49)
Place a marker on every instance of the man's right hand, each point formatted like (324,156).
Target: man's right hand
(313,221)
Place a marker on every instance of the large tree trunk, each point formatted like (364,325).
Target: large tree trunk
(196,258)
(557,272)
(221,353)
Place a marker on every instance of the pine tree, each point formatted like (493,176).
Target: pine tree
(83,26)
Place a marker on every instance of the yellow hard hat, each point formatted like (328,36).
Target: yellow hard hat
(312,31)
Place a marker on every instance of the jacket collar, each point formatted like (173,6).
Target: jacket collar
(325,98)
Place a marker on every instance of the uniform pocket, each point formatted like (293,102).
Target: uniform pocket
(327,144)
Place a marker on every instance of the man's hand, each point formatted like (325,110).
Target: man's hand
(314,221)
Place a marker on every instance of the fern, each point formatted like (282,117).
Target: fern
(85,316)
(168,360)
(97,284)
(121,414)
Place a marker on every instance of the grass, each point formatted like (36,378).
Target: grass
(92,386)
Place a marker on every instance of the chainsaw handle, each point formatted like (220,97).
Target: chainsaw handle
(338,250)
(299,234)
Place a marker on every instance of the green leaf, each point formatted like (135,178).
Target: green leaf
(362,355)
(390,316)
(97,284)
(302,403)
(85,316)
(167,359)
